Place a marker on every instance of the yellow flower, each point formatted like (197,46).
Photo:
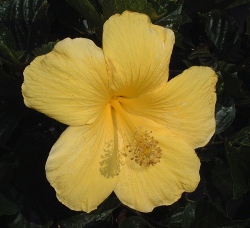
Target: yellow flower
(130,131)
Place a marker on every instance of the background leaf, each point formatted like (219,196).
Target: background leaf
(224,114)
(172,18)
(222,31)
(238,152)
(87,10)
(135,221)
(110,8)
(29,23)
(100,216)
(7,207)
(46,48)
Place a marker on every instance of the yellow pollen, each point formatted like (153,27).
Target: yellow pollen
(145,149)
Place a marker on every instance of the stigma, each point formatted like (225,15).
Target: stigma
(144,149)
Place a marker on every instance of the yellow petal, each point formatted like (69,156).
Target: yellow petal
(84,163)
(145,185)
(144,188)
(159,166)
(137,52)
(69,84)
(185,106)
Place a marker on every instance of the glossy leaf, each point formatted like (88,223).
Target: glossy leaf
(30,188)
(218,186)
(172,18)
(89,12)
(232,84)
(160,6)
(248,24)
(46,48)
(7,207)
(19,221)
(135,221)
(238,3)
(5,7)
(222,31)
(111,7)
(29,23)
(224,114)
(176,218)
(102,213)
(200,53)
(7,161)
(6,37)
(238,153)
(7,46)
(7,55)
(205,215)
(11,107)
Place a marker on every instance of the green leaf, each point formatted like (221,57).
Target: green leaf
(7,46)
(232,84)
(222,31)
(7,207)
(220,84)
(176,218)
(7,55)
(204,214)
(198,214)
(202,56)
(12,108)
(248,24)
(161,6)
(30,188)
(5,7)
(46,48)
(19,221)
(172,18)
(218,186)
(200,53)
(238,154)
(238,3)
(6,37)
(224,114)
(135,221)
(7,161)
(111,7)
(85,8)
(102,213)
(29,22)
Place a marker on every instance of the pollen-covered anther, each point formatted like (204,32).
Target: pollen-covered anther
(145,149)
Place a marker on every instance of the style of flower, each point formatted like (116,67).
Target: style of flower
(130,131)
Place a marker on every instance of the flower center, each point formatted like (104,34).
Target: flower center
(145,149)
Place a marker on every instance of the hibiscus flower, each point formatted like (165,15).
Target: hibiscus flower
(131,130)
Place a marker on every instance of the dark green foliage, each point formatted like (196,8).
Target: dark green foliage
(212,33)
(238,155)
(224,114)
(135,221)
(142,6)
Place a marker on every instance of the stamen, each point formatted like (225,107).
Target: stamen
(111,160)
(145,149)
